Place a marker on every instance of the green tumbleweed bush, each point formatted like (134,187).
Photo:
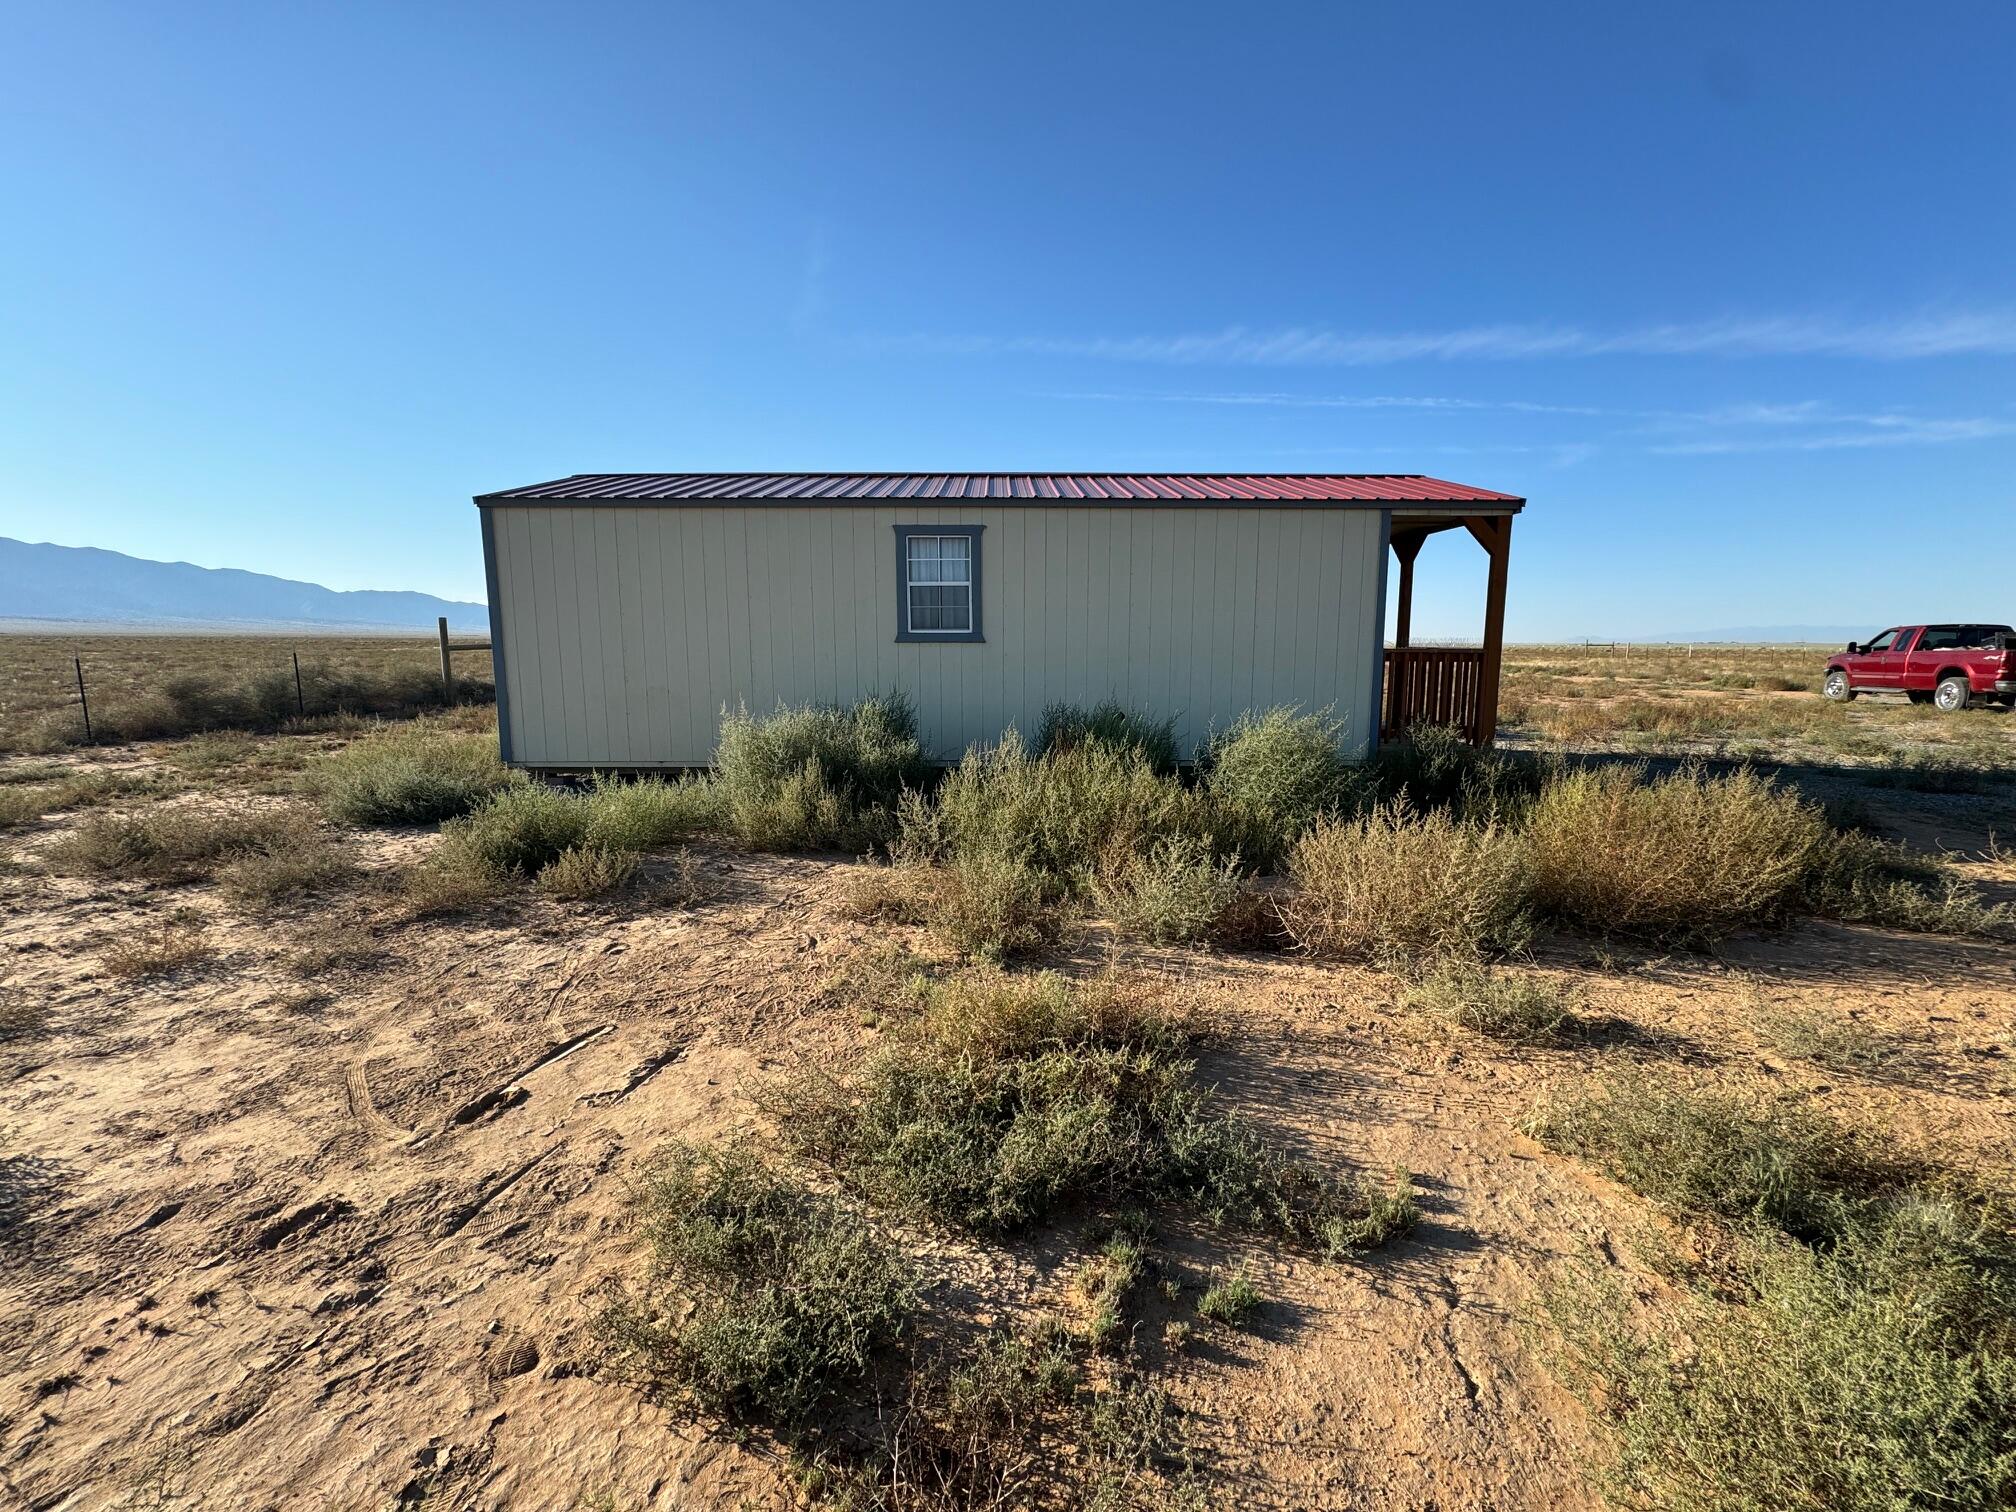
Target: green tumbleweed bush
(765,1298)
(819,778)
(413,774)
(1006,1098)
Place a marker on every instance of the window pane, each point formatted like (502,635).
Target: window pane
(941,608)
(924,556)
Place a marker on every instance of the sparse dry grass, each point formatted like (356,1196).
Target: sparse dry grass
(148,687)
(180,843)
(166,946)
(1723,1154)
(1517,1006)
(1747,701)
(587,871)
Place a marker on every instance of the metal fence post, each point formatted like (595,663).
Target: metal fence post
(300,703)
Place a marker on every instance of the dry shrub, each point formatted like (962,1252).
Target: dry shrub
(652,812)
(893,894)
(1176,892)
(1875,1373)
(1509,1005)
(1721,1154)
(1278,772)
(1435,766)
(1688,857)
(180,843)
(22,805)
(1006,1098)
(31,790)
(587,871)
(453,880)
(1851,1338)
(1395,886)
(984,905)
(418,774)
(991,906)
(271,875)
(765,1299)
(1822,1037)
(1864,880)
(168,945)
(327,945)
(197,703)
(522,829)
(818,778)
(1066,814)
(1113,725)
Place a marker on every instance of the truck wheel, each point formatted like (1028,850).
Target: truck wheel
(1835,689)
(1951,695)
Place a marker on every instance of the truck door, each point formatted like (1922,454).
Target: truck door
(1932,650)
(1881,665)
(1898,657)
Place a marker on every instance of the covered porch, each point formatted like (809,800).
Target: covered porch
(1447,685)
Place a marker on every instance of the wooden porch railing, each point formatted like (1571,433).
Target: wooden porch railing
(1434,685)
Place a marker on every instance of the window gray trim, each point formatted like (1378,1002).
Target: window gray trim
(926,637)
(497,638)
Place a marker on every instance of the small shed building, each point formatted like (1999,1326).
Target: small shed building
(629,611)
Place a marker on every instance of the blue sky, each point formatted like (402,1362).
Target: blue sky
(1724,289)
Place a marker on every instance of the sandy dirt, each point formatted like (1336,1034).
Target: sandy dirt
(280,1240)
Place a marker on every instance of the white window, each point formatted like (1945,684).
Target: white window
(938,585)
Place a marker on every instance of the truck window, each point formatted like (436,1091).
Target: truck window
(1945,637)
(1883,642)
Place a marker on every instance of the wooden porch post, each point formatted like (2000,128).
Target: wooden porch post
(1406,546)
(1495,536)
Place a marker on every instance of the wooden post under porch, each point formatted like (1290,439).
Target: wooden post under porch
(1447,685)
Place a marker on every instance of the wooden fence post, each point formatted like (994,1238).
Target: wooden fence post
(300,703)
(78,662)
(447,666)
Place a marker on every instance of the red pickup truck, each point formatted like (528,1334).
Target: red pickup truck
(1948,665)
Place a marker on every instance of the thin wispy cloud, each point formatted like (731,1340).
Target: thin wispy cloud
(1887,431)
(1800,425)
(1937,334)
(1338,401)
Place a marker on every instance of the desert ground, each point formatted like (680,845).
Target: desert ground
(316,1199)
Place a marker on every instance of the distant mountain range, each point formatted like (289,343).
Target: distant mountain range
(1769,635)
(82,583)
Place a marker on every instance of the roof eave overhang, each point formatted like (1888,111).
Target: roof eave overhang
(1451,508)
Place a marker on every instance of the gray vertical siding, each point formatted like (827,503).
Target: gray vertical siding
(622,633)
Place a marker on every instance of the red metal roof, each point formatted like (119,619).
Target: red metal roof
(1174,488)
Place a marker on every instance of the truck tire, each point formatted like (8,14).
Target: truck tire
(1952,694)
(1835,688)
